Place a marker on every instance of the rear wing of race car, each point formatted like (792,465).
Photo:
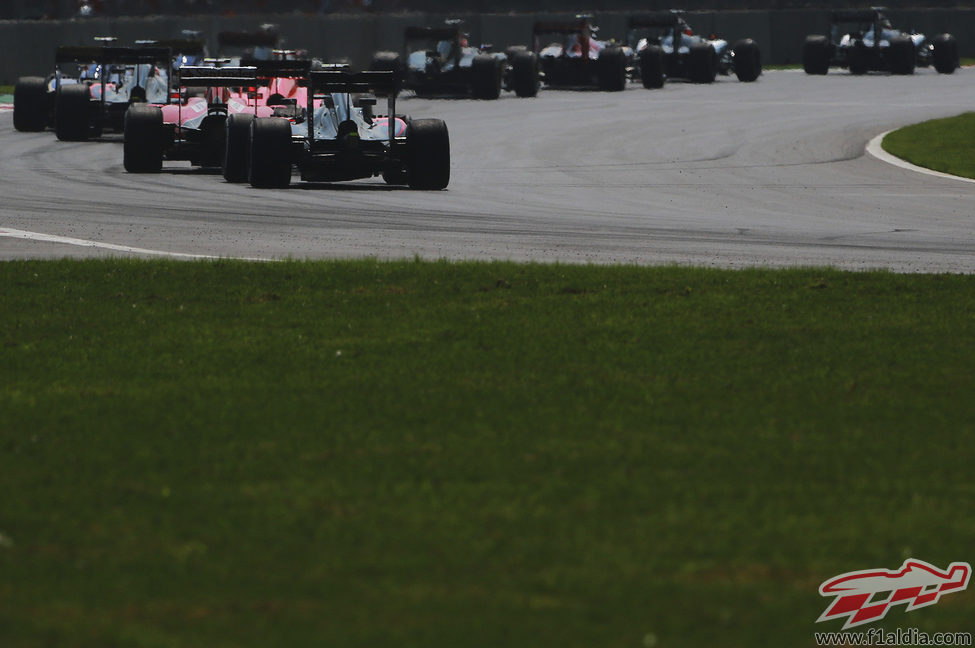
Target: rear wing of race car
(431,33)
(581,27)
(575,27)
(106,56)
(109,55)
(661,20)
(860,17)
(186,46)
(342,80)
(266,70)
(247,39)
(855,16)
(208,77)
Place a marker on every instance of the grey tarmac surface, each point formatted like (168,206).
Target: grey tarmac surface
(771,173)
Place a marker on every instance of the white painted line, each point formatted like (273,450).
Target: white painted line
(875,149)
(51,238)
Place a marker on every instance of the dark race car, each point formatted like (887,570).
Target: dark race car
(91,88)
(341,139)
(577,59)
(440,61)
(864,41)
(667,49)
(258,44)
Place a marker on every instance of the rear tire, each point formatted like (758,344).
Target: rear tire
(611,69)
(858,59)
(428,154)
(236,159)
(945,53)
(524,71)
(486,75)
(702,63)
(748,60)
(142,146)
(31,104)
(652,67)
(270,163)
(815,55)
(902,56)
(214,142)
(72,117)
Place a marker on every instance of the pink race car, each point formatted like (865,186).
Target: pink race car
(194,125)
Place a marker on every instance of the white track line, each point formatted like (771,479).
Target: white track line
(875,149)
(51,238)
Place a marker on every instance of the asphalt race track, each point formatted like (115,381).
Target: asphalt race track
(772,173)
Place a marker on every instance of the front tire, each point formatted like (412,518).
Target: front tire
(524,71)
(486,75)
(748,60)
(702,62)
(270,163)
(142,145)
(31,105)
(902,55)
(945,53)
(858,59)
(652,67)
(237,156)
(428,154)
(611,69)
(815,55)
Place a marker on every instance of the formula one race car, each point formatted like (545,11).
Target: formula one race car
(853,43)
(108,80)
(192,127)
(578,59)
(282,91)
(341,139)
(253,45)
(202,129)
(667,48)
(440,61)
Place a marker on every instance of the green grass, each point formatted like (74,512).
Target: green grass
(940,144)
(6,89)
(435,454)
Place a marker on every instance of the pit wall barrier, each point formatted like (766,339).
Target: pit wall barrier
(27,47)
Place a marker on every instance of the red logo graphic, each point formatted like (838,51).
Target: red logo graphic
(916,583)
